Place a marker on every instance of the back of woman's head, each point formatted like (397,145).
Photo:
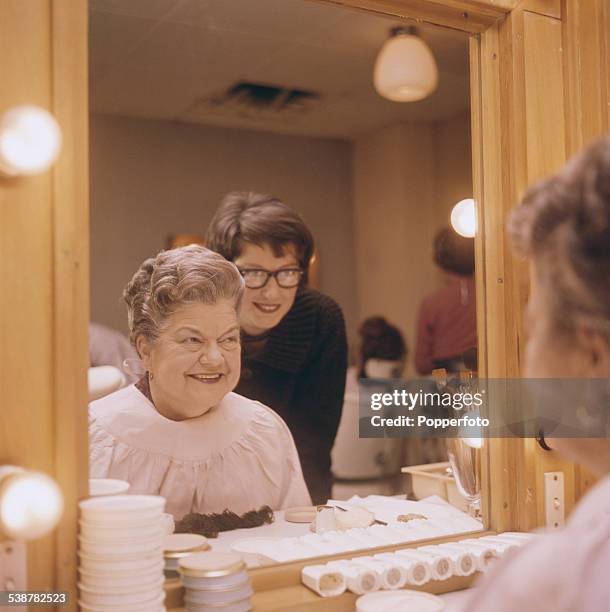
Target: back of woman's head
(175,278)
(245,216)
(563,223)
(454,253)
(381,340)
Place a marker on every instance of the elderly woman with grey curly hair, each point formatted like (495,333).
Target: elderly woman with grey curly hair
(563,225)
(180,432)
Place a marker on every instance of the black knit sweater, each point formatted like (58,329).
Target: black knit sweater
(298,369)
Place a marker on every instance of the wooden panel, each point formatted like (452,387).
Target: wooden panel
(543,96)
(586,43)
(523,139)
(466,15)
(44,267)
(26,309)
(550,8)
(545,154)
(300,599)
(71,275)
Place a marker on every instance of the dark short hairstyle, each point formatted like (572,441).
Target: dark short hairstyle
(245,216)
(380,340)
(454,253)
(563,223)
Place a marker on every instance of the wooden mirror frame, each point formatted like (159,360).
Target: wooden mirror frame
(539,92)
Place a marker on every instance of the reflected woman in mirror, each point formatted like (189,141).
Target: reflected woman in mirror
(294,341)
(563,225)
(446,325)
(180,432)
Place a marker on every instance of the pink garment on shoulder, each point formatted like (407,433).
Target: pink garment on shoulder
(564,571)
(446,324)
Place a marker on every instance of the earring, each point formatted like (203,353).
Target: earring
(150,376)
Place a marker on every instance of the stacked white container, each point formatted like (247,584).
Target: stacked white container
(121,554)
(215,582)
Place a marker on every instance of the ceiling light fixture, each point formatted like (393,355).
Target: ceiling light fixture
(405,70)
(464,218)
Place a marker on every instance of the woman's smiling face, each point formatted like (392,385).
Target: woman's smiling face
(262,309)
(195,361)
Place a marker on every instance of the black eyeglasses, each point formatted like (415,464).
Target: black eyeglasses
(256,278)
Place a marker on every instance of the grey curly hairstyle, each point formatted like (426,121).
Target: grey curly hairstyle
(563,222)
(174,278)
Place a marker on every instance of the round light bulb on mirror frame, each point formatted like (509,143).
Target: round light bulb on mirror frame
(405,69)
(30,140)
(31,503)
(464,218)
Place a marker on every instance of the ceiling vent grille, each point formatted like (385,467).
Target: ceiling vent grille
(256,101)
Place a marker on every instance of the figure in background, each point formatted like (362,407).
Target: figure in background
(563,225)
(382,355)
(109,347)
(180,432)
(446,324)
(383,351)
(293,337)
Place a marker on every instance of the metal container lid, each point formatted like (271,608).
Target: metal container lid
(211,565)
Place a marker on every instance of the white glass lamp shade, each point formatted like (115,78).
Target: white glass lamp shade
(31,503)
(405,70)
(464,218)
(30,140)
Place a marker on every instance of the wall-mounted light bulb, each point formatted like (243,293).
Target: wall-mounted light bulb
(30,140)
(464,219)
(473,442)
(31,503)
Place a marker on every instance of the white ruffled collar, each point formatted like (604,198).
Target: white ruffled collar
(131,418)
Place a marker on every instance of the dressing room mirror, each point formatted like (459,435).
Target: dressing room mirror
(193,99)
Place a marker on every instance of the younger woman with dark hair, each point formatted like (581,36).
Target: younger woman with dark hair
(382,349)
(293,338)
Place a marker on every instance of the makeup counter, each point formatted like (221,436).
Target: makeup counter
(362,554)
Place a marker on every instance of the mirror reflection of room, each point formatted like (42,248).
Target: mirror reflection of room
(266,133)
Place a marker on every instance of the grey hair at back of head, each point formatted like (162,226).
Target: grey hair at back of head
(174,278)
(563,222)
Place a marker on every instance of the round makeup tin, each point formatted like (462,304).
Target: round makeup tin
(215,582)
(177,546)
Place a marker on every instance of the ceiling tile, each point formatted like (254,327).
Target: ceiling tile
(110,37)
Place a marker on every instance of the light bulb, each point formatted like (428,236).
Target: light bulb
(31,504)
(473,442)
(464,219)
(30,140)
(405,70)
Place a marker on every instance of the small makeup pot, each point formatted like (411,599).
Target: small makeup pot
(215,582)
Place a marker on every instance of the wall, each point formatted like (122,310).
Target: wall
(154,178)
(406,180)
(453,167)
